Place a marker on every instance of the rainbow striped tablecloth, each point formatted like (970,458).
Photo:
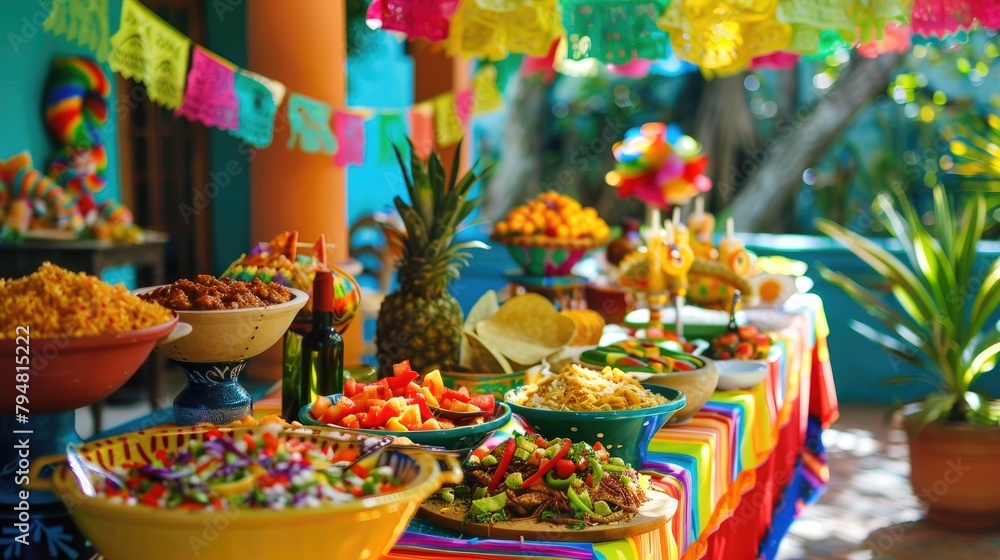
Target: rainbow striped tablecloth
(740,469)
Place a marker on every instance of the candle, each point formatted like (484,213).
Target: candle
(654,248)
(682,235)
(701,223)
(732,253)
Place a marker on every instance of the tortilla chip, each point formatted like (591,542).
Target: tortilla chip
(485,308)
(479,357)
(487,305)
(589,326)
(526,329)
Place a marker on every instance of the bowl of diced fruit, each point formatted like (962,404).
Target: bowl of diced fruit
(745,343)
(550,234)
(409,405)
(741,357)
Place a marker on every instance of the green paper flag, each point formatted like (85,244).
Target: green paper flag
(309,120)
(259,98)
(84,22)
(392,131)
(614,31)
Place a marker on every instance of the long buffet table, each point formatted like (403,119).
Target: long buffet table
(740,470)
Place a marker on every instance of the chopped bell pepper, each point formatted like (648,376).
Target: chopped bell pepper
(578,501)
(498,475)
(547,466)
(559,483)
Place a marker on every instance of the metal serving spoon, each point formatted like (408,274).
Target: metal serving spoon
(81,468)
(733,327)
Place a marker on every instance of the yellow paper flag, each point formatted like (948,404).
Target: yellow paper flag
(85,23)
(485,94)
(149,50)
(448,127)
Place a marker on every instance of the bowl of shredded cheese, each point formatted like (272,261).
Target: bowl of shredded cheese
(609,406)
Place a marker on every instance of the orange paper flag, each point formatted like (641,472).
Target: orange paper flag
(422,129)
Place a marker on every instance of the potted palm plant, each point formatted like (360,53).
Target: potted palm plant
(942,326)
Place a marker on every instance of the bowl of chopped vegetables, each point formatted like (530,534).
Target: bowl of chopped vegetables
(249,493)
(605,406)
(428,413)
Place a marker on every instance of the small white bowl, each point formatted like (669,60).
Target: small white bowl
(768,320)
(740,374)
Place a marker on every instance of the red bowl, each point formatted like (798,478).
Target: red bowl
(70,373)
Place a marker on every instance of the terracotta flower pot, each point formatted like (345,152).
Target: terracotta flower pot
(954,473)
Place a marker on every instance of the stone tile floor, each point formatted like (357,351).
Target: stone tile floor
(868,513)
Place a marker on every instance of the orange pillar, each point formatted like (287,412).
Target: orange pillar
(434,73)
(302,45)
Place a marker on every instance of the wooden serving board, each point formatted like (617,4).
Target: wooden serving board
(653,515)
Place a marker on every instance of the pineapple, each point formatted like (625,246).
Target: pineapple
(421,321)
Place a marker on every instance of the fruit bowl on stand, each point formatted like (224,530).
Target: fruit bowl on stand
(217,350)
(539,255)
(548,235)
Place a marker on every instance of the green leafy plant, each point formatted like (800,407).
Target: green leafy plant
(951,342)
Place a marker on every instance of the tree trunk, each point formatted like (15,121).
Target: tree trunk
(774,173)
(518,174)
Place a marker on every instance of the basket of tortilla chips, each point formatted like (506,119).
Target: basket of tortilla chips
(502,343)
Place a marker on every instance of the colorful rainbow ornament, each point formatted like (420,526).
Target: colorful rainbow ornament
(75,109)
(659,165)
(30,196)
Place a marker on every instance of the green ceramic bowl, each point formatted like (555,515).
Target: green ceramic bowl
(625,433)
(496,384)
(462,438)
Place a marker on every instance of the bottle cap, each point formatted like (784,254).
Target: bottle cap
(323,291)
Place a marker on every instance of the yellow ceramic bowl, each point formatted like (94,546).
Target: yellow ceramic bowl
(364,528)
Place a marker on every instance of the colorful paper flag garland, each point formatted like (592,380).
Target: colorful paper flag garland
(216,93)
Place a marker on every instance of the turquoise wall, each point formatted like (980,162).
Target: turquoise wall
(25,52)
(226,25)
(379,76)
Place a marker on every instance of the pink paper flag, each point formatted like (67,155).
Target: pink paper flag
(350,131)
(422,129)
(541,65)
(775,61)
(464,103)
(940,17)
(988,13)
(210,95)
(416,18)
